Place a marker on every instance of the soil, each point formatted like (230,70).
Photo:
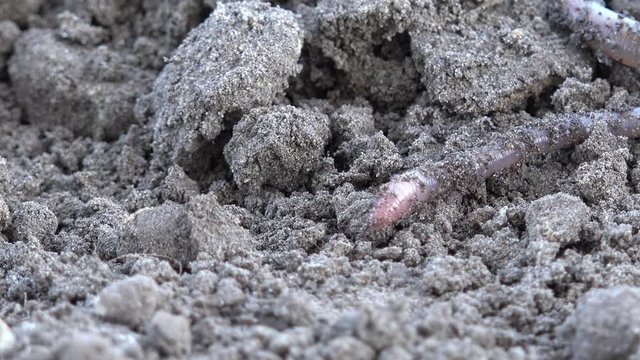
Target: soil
(194,178)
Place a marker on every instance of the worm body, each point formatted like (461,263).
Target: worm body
(400,196)
(605,30)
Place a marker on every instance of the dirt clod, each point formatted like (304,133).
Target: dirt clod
(180,232)
(239,58)
(32,222)
(556,218)
(169,333)
(604,324)
(99,84)
(130,301)
(90,347)
(277,147)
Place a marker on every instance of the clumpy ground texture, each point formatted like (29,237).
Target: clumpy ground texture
(194,179)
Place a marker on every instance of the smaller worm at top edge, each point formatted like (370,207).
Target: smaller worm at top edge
(605,30)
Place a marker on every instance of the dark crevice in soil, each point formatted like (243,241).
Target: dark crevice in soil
(601,71)
(211,164)
(538,104)
(395,49)
(318,77)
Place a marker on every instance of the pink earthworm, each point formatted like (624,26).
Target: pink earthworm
(400,196)
(605,30)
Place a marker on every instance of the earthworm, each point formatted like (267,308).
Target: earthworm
(400,196)
(605,30)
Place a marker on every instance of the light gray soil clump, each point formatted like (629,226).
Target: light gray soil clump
(169,334)
(90,347)
(245,54)
(19,10)
(194,179)
(493,69)
(181,232)
(32,222)
(557,218)
(278,147)
(92,92)
(605,324)
(9,32)
(128,302)
(368,41)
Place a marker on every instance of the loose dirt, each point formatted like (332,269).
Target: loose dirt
(193,179)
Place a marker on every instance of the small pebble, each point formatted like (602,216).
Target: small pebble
(162,230)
